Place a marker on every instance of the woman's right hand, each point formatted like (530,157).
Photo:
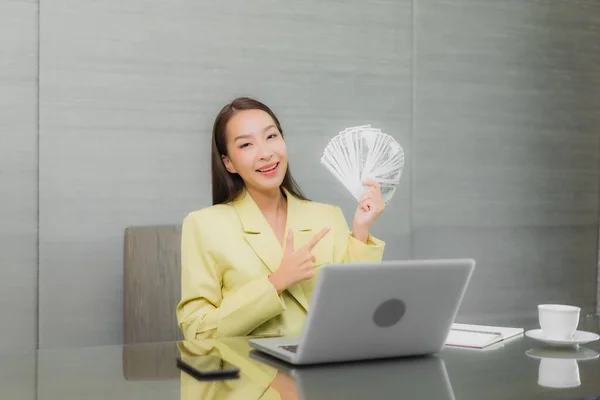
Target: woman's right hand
(296,266)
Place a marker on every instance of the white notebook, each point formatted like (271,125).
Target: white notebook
(479,336)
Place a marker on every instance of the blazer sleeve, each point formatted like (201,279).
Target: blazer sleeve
(350,249)
(203,312)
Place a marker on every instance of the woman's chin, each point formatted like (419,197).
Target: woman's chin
(270,185)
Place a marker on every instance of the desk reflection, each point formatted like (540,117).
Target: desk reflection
(256,380)
(559,367)
(264,377)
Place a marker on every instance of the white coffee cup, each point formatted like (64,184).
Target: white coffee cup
(558,321)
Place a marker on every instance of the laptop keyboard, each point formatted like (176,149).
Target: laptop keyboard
(291,349)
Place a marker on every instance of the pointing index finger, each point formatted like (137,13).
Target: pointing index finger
(290,241)
(317,238)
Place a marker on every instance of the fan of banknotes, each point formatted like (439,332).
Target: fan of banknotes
(362,152)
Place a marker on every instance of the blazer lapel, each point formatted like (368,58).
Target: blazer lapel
(260,236)
(258,232)
(298,219)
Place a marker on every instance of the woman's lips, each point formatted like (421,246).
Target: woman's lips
(269,170)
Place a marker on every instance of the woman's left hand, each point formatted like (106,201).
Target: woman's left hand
(369,209)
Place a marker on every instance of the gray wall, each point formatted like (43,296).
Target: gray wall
(119,146)
(493,103)
(18,174)
(127,105)
(507,147)
(18,197)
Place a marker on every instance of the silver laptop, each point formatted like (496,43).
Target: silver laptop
(410,378)
(378,310)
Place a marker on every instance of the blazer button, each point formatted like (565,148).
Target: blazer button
(280,331)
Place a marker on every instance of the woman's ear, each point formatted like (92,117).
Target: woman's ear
(227,162)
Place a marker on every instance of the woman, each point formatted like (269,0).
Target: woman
(249,261)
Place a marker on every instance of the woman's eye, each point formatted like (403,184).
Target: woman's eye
(244,145)
(272,135)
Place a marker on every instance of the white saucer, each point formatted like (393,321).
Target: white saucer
(579,337)
(563,353)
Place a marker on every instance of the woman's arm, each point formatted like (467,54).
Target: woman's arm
(202,311)
(350,249)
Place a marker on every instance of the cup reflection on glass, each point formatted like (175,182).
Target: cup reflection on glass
(558,373)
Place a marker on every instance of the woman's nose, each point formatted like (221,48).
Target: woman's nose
(265,152)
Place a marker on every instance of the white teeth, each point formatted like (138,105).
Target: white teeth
(267,170)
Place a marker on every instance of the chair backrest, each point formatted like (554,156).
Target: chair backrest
(151,283)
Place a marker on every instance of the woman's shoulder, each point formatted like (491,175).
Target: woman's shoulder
(207,216)
(209,225)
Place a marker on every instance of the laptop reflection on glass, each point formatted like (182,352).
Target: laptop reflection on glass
(410,378)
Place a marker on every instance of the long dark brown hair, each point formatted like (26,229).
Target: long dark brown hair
(225,185)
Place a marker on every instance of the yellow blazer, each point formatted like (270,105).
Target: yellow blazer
(227,253)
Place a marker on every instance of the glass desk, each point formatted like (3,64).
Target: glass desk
(518,369)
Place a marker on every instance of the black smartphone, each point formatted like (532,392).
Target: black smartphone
(207,368)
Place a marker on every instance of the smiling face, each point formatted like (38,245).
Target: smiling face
(256,150)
